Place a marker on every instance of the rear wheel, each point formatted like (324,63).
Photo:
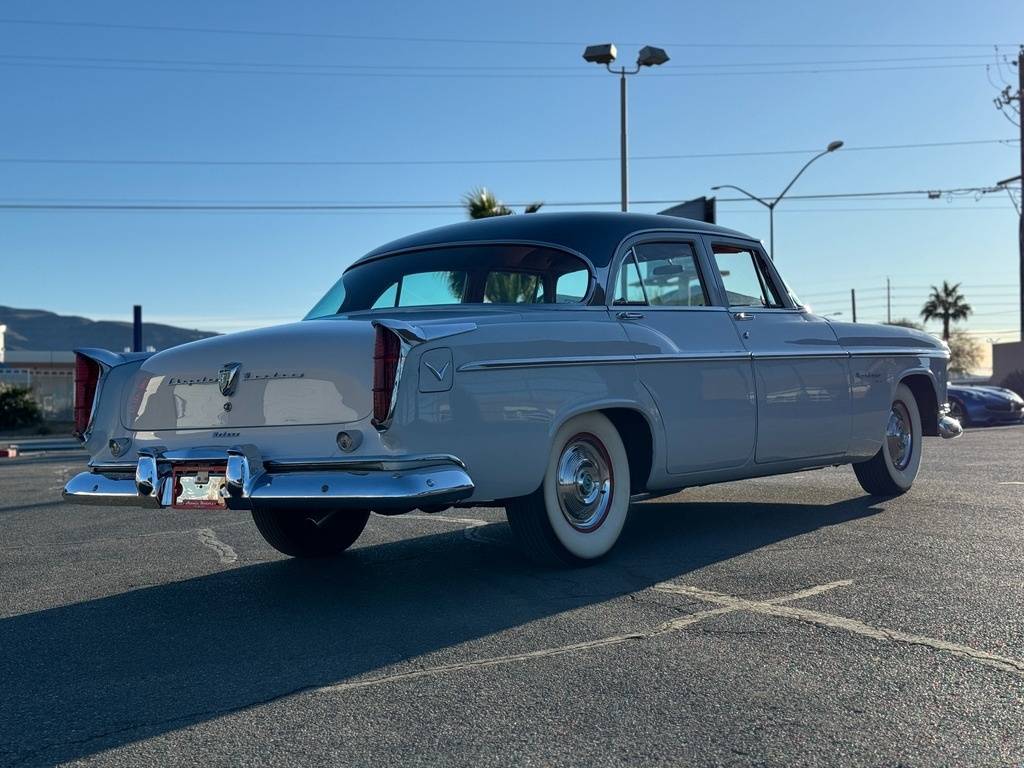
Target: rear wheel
(577,514)
(892,470)
(326,534)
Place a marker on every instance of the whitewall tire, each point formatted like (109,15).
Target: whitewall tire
(577,514)
(893,469)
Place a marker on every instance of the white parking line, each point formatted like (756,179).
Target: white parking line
(669,626)
(772,608)
(209,539)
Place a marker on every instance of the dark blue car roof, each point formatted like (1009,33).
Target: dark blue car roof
(594,234)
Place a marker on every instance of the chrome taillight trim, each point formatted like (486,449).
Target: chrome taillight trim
(403,351)
(84,434)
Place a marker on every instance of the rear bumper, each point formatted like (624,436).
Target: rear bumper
(378,484)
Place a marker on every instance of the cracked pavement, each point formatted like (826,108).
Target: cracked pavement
(780,621)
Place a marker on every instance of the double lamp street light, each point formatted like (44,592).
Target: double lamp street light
(650,56)
(605,54)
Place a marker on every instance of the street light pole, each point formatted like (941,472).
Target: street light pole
(649,56)
(832,147)
(623,145)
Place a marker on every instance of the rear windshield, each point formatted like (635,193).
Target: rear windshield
(477,274)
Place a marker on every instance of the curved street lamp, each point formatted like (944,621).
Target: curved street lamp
(832,147)
(605,54)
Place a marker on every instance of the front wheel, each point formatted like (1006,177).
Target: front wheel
(577,514)
(892,470)
(300,535)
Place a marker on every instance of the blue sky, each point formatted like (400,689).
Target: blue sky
(734,86)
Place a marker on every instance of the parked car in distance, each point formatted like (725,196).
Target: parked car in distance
(560,365)
(979,405)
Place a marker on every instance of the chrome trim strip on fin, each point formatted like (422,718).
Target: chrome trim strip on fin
(416,334)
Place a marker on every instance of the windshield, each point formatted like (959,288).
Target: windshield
(472,274)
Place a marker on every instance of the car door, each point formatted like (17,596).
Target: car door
(802,373)
(690,356)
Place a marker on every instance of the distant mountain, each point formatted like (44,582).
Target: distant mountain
(38,330)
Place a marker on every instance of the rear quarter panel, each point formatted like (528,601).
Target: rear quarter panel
(515,383)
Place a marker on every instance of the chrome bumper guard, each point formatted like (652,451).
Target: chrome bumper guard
(375,483)
(948,426)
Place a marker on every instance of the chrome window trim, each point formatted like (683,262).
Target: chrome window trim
(623,251)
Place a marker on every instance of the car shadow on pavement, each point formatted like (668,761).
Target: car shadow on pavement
(103,673)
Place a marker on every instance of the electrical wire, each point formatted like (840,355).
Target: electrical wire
(451,40)
(486,161)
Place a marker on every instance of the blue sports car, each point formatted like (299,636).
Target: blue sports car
(977,406)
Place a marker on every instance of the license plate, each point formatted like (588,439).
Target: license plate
(199,487)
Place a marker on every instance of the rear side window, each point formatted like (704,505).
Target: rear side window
(661,275)
(745,280)
(490,273)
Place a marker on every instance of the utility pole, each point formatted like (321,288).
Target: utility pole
(1020,223)
(888,300)
(853,303)
(1005,103)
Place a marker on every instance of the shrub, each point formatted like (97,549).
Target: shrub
(1015,381)
(964,353)
(18,409)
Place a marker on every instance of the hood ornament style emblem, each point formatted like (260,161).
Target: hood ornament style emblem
(227,378)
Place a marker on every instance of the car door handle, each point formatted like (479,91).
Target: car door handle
(743,315)
(630,315)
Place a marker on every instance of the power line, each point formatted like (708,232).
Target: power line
(471,75)
(484,161)
(458,67)
(450,40)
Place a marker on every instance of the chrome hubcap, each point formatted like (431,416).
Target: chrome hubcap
(585,482)
(899,436)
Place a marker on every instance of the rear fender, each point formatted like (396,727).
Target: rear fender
(116,372)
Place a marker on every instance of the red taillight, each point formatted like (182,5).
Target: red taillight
(87,376)
(386,352)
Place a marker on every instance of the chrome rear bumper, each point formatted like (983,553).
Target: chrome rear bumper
(377,483)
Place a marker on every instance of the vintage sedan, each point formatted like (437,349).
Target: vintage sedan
(559,365)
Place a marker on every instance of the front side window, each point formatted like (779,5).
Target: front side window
(746,282)
(661,275)
(473,274)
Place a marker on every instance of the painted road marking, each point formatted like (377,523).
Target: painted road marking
(603,642)
(209,539)
(773,608)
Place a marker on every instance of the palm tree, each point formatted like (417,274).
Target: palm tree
(947,305)
(482,204)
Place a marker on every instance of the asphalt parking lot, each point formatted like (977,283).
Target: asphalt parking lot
(785,621)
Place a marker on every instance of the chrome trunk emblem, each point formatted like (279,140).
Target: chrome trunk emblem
(227,378)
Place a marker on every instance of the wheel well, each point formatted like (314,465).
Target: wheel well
(927,403)
(639,443)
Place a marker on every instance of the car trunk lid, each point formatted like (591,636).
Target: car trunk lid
(313,372)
